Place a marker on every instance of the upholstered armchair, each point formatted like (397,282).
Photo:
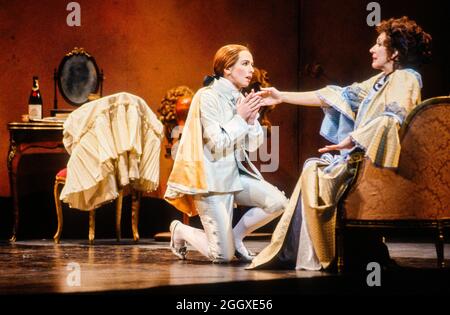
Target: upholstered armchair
(416,195)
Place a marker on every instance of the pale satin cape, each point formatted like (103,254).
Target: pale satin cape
(112,142)
(188,176)
(373,123)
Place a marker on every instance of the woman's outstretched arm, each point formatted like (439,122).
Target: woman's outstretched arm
(271,96)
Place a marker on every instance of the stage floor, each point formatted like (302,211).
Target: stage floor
(110,267)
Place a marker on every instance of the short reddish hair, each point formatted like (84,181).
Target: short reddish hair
(226,57)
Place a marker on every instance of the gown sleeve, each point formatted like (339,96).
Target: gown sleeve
(379,138)
(342,103)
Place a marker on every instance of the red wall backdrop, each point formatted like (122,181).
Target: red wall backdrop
(148,47)
(145,48)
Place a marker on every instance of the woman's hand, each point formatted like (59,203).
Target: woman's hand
(248,106)
(270,96)
(347,143)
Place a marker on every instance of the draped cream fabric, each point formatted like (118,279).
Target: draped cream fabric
(320,192)
(112,142)
(280,232)
(188,175)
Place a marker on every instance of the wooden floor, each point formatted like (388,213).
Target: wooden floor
(110,267)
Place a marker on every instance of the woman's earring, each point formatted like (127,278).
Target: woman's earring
(394,55)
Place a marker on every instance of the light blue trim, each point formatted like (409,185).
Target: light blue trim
(417,75)
(336,124)
(397,117)
(328,102)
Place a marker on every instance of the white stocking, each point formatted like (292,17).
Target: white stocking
(195,237)
(250,221)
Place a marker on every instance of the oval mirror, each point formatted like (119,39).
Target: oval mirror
(78,76)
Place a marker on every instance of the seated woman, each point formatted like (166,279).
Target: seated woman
(363,117)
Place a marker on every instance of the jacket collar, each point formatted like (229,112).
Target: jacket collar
(227,89)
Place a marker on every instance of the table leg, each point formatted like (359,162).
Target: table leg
(12,164)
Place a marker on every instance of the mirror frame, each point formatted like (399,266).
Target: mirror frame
(76,52)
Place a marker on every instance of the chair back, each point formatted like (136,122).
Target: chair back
(419,188)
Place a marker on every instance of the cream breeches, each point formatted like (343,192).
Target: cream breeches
(217,241)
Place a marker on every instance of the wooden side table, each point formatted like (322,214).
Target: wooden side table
(30,138)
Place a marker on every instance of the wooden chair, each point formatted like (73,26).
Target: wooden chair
(416,195)
(135,204)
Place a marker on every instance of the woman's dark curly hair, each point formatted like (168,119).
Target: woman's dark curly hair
(408,38)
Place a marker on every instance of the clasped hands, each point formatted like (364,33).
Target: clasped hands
(248,107)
